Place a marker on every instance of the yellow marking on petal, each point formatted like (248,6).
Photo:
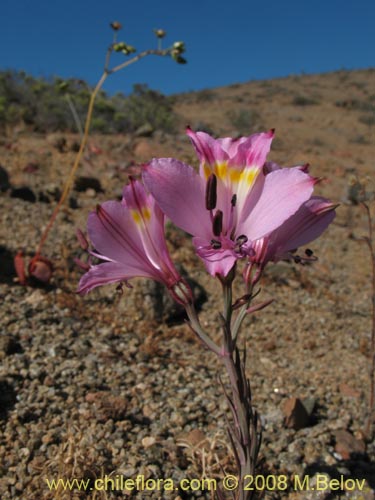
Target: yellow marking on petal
(136,216)
(146,212)
(221,170)
(249,175)
(143,216)
(206,170)
(235,175)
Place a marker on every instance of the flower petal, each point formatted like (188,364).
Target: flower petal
(180,193)
(307,224)
(254,150)
(103,274)
(113,233)
(217,262)
(209,150)
(283,193)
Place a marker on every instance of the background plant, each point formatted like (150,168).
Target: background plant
(40,267)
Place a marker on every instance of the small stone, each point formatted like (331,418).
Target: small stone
(148,441)
(194,438)
(296,416)
(348,391)
(347,445)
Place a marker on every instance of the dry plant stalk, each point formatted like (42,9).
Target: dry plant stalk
(40,267)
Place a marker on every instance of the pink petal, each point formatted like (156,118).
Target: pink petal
(307,224)
(115,236)
(254,150)
(283,193)
(103,274)
(180,193)
(209,150)
(217,262)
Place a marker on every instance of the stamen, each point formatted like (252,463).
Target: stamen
(216,245)
(217,223)
(233,201)
(211,192)
(309,252)
(242,239)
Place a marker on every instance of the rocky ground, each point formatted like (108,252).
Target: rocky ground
(115,385)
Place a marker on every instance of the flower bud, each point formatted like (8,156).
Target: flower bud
(176,56)
(160,33)
(118,47)
(128,49)
(116,26)
(179,47)
(181,293)
(124,48)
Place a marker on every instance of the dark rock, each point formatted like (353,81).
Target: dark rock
(7,398)
(50,194)
(23,193)
(81,184)
(4,179)
(8,346)
(7,270)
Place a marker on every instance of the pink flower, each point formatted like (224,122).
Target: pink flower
(232,202)
(129,237)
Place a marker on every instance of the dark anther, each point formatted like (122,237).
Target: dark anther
(309,252)
(217,223)
(297,259)
(215,244)
(211,190)
(242,239)
(233,201)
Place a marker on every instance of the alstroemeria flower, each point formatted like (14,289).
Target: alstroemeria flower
(231,202)
(307,224)
(129,237)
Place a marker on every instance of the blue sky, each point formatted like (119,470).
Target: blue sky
(227,41)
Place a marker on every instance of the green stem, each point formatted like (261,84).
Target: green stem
(198,330)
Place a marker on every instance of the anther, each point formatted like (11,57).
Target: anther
(309,252)
(217,223)
(211,192)
(215,244)
(233,201)
(242,239)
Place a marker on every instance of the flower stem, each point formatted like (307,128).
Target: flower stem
(244,430)
(245,433)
